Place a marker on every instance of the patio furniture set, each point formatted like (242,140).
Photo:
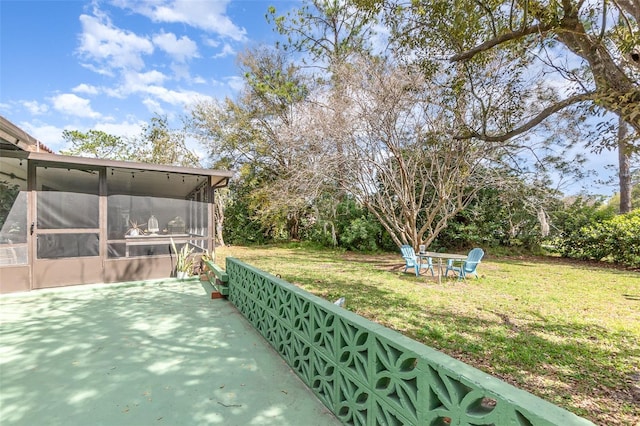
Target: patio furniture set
(461,265)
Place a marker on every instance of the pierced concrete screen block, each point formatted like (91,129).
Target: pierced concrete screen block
(370,375)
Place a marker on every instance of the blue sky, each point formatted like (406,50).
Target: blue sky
(110,65)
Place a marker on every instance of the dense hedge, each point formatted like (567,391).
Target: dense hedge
(616,239)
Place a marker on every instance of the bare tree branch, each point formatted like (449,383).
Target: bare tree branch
(499,40)
(630,6)
(545,113)
(402,166)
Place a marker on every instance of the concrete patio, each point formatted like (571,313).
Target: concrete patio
(151,353)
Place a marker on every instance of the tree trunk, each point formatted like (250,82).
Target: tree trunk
(294,226)
(624,172)
(615,90)
(219,206)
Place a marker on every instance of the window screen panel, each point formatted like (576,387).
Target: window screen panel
(55,246)
(67,198)
(13,211)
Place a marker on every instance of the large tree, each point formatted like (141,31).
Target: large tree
(259,135)
(97,144)
(326,34)
(157,144)
(589,48)
(160,144)
(386,142)
(404,165)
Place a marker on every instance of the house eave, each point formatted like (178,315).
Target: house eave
(220,177)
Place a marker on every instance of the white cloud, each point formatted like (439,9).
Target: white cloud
(118,92)
(174,97)
(150,85)
(35,107)
(135,80)
(227,50)
(180,49)
(206,15)
(71,104)
(110,46)
(211,42)
(49,135)
(236,83)
(128,128)
(181,72)
(87,89)
(98,69)
(153,106)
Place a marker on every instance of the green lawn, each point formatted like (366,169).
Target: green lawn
(568,332)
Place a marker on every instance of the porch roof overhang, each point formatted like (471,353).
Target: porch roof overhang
(13,137)
(15,142)
(219,178)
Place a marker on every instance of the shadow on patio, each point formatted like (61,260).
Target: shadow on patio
(159,352)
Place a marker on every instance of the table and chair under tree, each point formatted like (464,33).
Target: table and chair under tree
(461,264)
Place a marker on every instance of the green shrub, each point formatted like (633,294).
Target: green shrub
(570,239)
(349,226)
(360,235)
(616,239)
(240,224)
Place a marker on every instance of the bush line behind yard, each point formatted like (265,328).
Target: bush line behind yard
(616,238)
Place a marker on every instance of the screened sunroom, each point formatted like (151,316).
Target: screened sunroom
(73,220)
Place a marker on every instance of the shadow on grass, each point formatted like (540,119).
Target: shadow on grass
(583,265)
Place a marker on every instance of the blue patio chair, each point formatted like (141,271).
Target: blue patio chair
(468,266)
(413,261)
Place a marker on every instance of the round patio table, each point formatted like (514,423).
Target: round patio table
(440,256)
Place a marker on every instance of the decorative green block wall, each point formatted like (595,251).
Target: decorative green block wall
(368,374)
